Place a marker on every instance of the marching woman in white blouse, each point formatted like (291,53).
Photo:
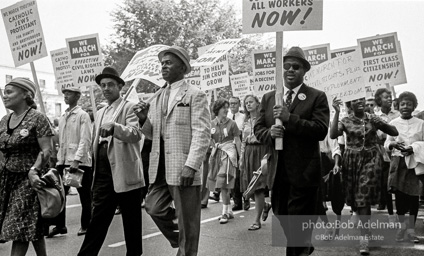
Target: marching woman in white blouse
(406,167)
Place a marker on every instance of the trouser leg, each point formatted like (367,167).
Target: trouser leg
(158,203)
(187,205)
(130,204)
(205,190)
(85,196)
(104,205)
(237,195)
(158,206)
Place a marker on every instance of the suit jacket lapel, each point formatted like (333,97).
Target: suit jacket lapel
(180,95)
(96,134)
(100,123)
(159,104)
(296,99)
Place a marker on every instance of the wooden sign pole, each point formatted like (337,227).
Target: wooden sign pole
(279,83)
(40,98)
(93,101)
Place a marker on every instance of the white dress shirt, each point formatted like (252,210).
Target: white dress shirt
(295,91)
(108,115)
(410,131)
(175,87)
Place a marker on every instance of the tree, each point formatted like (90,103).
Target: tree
(188,23)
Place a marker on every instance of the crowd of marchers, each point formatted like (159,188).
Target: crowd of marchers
(176,151)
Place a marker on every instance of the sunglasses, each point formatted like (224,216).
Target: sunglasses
(287,66)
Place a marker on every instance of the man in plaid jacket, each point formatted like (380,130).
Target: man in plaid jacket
(178,124)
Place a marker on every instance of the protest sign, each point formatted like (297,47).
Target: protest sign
(261,16)
(215,52)
(216,75)
(202,49)
(62,69)
(369,93)
(382,61)
(24,31)
(193,77)
(251,85)
(317,54)
(146,65)
(85,59)
(263,71)
(339,77)
(240,85)
(341,51)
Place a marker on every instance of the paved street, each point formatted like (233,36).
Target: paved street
(231,239)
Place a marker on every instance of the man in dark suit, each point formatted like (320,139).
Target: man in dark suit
(296,169)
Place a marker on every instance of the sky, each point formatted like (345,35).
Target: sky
(343,23)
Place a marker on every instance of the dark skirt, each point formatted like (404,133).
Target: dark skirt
(361,173)
(403,179)
(20,218)
(253,154)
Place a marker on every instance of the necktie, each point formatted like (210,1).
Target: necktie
(289,98)
(234,116)
(165,100)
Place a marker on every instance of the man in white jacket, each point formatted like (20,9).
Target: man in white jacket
(74,152)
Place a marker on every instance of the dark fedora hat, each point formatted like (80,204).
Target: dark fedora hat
(109,72)
(181,53)
(297,52)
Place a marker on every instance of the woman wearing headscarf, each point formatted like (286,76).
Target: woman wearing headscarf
(25,141)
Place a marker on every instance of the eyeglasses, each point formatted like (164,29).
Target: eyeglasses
(233,103)
(287,66)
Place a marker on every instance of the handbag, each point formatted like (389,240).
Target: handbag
(335,191)
(253,184)
(51,196)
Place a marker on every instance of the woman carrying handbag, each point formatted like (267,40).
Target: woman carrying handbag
(25,141)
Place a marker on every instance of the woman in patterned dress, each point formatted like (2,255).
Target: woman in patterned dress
(362,159)
(252,152)
(25,141)
(223,160)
